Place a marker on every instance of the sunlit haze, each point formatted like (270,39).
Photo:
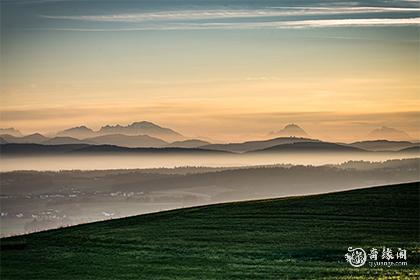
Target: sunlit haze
(228,71)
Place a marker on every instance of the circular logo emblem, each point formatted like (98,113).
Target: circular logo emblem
(356,257)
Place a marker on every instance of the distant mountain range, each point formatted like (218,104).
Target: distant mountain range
(388,133)
(79,132)
(143,128)
(11,131)
(145,134)
(35,138)
(130,141)
(134,129)
(290,130)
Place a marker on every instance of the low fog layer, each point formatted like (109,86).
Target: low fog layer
(121,161)
(34,201)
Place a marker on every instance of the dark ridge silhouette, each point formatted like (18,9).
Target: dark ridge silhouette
(191,143)
(382,145)
(130,141)
(65,140)
(256,145)
(35,138)
(415,149)
(32,149)
(79,132)
(305,147)
(39,149)
(117,149)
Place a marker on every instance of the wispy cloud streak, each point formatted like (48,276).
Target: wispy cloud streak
(219,14)
(320,23)
(351,22)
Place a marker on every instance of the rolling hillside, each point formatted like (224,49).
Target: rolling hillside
(415,149)
(8,149)
(191,143)
(65,140)
(24,149)
(256,145)
(129,141)
(382,145)
(309,147)
(296,237)
(35,138)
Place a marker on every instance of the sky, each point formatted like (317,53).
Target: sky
(223,70)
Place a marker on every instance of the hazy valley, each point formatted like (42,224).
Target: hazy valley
(80,175)
(33,201)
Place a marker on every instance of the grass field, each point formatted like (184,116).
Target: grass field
(290,238)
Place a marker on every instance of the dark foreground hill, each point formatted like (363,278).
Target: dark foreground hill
(296,238)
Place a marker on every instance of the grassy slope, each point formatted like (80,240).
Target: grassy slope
(302,237)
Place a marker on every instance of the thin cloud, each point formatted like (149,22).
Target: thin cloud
(352,22)
(34,2)
(219,14)
(319,23)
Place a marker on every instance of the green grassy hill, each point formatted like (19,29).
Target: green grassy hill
(295,238)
